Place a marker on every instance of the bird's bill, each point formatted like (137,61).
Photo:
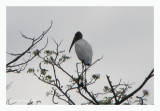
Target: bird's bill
(77,36)
(74,40)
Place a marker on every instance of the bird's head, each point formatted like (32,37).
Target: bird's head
(77,37)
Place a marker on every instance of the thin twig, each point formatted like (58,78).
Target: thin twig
(151,74)
(112,89)
(34,42)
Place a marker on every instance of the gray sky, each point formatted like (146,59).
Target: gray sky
(123,35)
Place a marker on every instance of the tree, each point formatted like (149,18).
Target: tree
(113,94)
(16,65)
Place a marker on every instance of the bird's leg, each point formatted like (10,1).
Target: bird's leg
(78,74)
(85,80)
(82,72)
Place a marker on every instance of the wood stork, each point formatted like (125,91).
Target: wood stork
(84,52)
(83,49)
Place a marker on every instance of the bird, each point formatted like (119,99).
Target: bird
(82,48)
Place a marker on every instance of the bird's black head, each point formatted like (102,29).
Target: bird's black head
(77,37)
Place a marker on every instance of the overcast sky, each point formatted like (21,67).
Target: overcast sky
(123,35)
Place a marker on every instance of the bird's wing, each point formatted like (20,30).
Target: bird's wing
(84,51)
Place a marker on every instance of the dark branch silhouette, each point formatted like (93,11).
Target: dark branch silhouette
(117,102)
(77,81)
(12,66)
(151,74)
(56,58)
(112,89)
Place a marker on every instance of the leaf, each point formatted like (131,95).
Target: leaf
(75,79)
(47,94)
(30,103)
(145,92)
(126,104)
(68,86)
(105,88)
(64,58)
(30,70)
(38,101)
(49,52)
(43,71)
(49,77)
(123,96)
(96,76)
(103,102)
(36,52)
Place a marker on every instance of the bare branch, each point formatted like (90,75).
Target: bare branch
(13,54)
(23,64)
(26,36)
(151,74)
(77,82)
(34,42)
(9,85)
(86,97)
(112,89)
(8,102)
(53,97)
(92,64)
(70,89)
(57,82)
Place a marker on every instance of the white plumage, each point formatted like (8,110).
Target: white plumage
(83,49)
